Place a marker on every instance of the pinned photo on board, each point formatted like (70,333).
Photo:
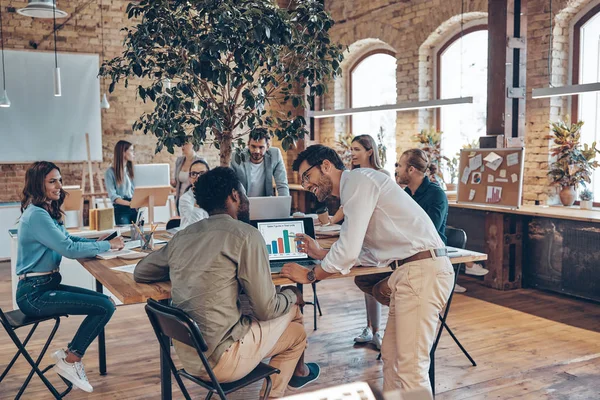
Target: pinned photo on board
(476,178)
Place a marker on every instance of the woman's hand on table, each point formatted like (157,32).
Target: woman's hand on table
(117,243)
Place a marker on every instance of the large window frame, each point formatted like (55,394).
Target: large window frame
(438,65)
(576,64)
(349,92)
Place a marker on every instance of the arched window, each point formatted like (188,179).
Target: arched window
(461,72)
(373,83)
(586,69)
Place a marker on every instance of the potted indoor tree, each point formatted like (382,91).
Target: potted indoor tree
(573,164)
(586,198)
(216,70)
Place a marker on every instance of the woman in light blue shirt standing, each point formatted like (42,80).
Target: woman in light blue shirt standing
(43,241)
(119,183)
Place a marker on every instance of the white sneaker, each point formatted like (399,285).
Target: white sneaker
(365,337)
(377,340)
(74,373)
(477,270)
(459,289)
(58,355)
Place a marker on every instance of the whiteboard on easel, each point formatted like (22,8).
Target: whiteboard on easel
(37,125)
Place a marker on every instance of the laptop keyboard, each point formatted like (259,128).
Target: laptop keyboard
(277,266)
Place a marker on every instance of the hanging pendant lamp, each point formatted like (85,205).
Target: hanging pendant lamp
(4,100)
(57,85)
(104,103)
(41,9)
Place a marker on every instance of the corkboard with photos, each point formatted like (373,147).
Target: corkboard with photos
(491,177)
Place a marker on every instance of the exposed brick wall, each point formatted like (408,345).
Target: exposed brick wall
(414,28)
(81,34)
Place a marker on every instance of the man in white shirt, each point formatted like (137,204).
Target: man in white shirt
(382,226)
(261,165)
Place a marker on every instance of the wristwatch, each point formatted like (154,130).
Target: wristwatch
(311,276)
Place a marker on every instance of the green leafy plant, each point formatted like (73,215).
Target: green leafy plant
(381,148)
(343,146)
(586,195)
(451,165)
(574,165)
(233,65)
(430,141)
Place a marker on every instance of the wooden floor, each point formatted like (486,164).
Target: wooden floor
(528,345)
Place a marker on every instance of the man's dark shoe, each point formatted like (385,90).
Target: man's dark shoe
(298,382)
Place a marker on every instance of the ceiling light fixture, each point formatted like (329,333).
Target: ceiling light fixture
(104,103)
(407,106)
(4,100)
(57,86)
(42,9)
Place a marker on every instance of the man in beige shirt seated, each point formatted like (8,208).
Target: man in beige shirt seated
(209,263)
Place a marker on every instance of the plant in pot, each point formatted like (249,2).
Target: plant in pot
(381,147)
(217,70)
(586,198)
(343,144)
(430,141)
(573,164)
(452,168)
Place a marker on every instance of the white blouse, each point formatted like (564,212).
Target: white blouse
(187,210)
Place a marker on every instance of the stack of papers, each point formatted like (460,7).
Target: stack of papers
(328,230)
(108,255)
(125,268)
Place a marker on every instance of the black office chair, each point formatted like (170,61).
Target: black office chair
(174,323)
(173,223)
(13,320)
(455,238)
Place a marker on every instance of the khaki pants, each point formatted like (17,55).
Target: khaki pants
(420,290)
(283,339)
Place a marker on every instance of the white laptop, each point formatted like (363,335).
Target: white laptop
(270,207)
(151,175)
(279,235)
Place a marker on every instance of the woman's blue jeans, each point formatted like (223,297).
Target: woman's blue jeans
(42,296)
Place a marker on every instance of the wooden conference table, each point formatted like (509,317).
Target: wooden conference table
(122,285)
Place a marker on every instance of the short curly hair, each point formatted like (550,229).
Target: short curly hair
(259,134)
(214,187)
(316,154)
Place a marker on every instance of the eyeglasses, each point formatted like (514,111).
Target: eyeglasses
(306,177)
(194,174)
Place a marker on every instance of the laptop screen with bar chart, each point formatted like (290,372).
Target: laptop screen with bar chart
(279,237)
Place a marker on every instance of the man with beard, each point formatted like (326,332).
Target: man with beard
(382,226)
(260,164)
(209,263)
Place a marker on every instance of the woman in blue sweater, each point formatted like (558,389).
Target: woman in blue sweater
(43,241)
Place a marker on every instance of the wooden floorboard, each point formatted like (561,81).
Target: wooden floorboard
(528,344)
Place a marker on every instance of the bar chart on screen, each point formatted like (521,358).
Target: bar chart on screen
(279,238)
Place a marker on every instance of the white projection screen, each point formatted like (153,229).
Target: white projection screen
(39,126)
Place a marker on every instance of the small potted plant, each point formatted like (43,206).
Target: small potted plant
(452,168)
(586,196)
(573,165)
(430,141)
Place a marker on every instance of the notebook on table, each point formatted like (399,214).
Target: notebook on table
(279,237)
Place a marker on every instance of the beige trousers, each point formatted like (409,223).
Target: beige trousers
(283,339)
(420,290)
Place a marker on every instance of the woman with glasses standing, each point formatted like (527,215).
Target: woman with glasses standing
(182,168)
(189,211)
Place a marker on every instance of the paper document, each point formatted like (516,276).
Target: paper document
(475,162)
(328,228)
(465,175)
(107,255)
(502,173)
(514,177)
(512,159)
(125,268)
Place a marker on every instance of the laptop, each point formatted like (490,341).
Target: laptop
(270,207)
(279,237)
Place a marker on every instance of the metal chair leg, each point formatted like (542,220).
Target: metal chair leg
(14,359)
(267,388)
(209,395)
(465,352)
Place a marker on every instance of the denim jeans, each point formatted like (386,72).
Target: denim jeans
(124,215)
(42,296)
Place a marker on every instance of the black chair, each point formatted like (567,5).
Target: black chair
(173,223)
(13,320)
(455,238)
(171,322)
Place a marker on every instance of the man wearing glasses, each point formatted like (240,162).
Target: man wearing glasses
(261,164)
(189,211)
(383,226)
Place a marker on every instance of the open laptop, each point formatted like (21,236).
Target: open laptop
(270,207)
(279,236)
